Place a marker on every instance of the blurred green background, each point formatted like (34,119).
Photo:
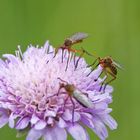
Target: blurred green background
(114,28)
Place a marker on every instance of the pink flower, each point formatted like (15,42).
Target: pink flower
(29,102)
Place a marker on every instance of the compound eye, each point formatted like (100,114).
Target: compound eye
(105,61)
(68,42)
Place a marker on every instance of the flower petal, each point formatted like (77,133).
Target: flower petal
(34,119)
(22,123)
(62,123)
(34,134)
(48,47)
(3,121)
(100,129)
(87,120)
(11,58)
(50,113)
(12,120)
(55,133)
(67,116)
(78,132)
(40,125)
(108,120)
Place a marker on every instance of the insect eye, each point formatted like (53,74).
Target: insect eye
(68,42)
(105,61)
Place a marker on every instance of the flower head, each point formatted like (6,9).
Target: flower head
(30,102)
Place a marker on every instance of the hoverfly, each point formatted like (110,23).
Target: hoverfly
(72,91)
(109,68)
(69,42)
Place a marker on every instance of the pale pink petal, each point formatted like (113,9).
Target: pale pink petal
(108,120)
(55,133)
(11,58)
(34,119)
(67,116)
(22,123)
(87,120)
(34,134)
(78,132)
(50,113)
(12,120)
(100,129)
(40,125)
(62,123)
(3,121)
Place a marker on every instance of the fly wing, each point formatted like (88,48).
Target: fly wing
(78,37)
(118,65)
(83,99)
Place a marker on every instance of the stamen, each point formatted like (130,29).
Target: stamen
(17,54)
(48,50)
(20,52)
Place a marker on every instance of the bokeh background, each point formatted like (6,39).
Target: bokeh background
(114,29)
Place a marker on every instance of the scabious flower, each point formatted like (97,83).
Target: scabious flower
(28,101)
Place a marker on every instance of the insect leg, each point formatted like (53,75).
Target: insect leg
(67,61)
(62,80)
(103,81)
(65,103)
(94,62)
(83,52)
(74,59)
(56,51)
(98,76)
(79,59)
(93,69)
(114,77)
(62,54)
(56,93)
(72,109)
(72,55)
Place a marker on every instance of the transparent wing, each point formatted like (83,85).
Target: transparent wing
(118,65)
(78,36)
(82,99)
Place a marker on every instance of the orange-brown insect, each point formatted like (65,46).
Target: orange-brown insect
(69,42)
(109,68)
(73,92)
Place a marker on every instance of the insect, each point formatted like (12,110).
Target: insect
(109,68)
(72,91)
(69,42)
(74,39)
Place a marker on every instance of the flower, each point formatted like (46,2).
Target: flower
(30,103)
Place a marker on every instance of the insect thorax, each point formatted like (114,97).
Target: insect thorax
(68,42)
(70,88)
